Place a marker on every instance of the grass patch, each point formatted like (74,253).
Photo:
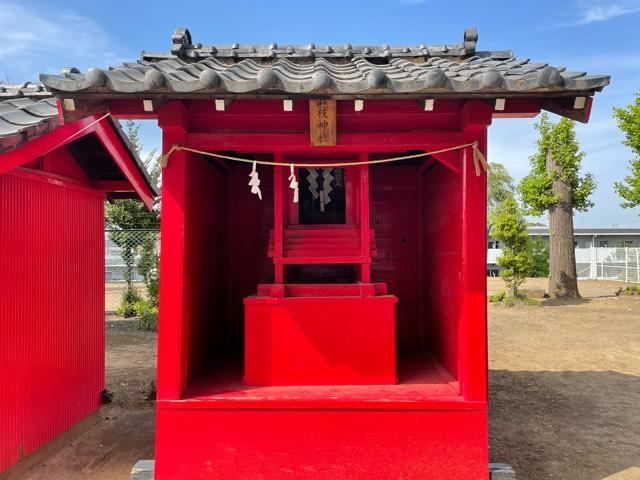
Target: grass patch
(502,298)
(147,322)
(628,290)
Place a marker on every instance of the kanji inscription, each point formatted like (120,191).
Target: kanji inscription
(322,122)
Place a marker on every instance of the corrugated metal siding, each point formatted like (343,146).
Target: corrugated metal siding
(51,309)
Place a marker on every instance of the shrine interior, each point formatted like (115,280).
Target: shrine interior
(415,211)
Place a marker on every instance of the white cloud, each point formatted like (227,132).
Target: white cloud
(45,42)
(601,12)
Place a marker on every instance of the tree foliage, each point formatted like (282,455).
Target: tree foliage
(124,215)
(499,185)
(540,253)
(536,188)
(509,227)
(629,122)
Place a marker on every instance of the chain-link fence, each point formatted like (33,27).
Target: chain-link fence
(131,263)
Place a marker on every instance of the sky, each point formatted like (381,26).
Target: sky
(596,36)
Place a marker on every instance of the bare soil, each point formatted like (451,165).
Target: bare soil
(564,393)
(565,385)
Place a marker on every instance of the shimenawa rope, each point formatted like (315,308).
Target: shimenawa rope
(478,158)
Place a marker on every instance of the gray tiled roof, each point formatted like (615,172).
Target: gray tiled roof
(25,89)
(324,69)
(25,113)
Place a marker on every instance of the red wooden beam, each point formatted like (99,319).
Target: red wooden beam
(475,112)
(519,108)
(112,186)
(565,108)
(121,156)
(46,143)
(450,159)
(173,312)
(278,219)
(264,142)
(132,109)
(472,326)
(365,245)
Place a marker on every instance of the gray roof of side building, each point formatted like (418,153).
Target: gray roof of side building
(27,110)
(327,70)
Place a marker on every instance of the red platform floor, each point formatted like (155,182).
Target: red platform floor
(423,383)
(421,428)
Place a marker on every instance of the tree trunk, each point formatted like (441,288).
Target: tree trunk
(563,279)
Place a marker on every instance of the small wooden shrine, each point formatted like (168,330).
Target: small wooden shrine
(323,304)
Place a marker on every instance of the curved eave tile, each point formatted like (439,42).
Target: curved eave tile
(359,75)
(24,114)
(9,129)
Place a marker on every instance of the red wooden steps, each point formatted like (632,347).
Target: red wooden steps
(289,290)
(322,246)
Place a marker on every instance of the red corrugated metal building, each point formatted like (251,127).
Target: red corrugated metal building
(53,182)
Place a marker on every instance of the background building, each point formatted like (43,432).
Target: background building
(605,253)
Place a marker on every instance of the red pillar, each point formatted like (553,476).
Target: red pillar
(172,119)
(365,249)
(278,219)
(475,118)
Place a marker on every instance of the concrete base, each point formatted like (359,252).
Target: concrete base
(143,470)
(501,471)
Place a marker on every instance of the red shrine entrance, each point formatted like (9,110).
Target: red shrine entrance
(342,336)
(335,345)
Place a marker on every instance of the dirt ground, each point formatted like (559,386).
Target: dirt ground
(565,385)
(564,393)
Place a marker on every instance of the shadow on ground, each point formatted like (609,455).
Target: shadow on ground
(539,420)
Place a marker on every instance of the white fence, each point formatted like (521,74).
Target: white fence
(603,263)
(599,263)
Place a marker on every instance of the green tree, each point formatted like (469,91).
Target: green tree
(557,186)
(124,215)
(499,185)
(510,228)
(540,254)
(629,122)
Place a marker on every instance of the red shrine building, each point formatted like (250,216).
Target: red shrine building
(323,304)
(54,178)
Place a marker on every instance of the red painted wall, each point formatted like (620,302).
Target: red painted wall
(62,162)
(442,252)
(331,444)
(393,217)
(51,308)
(206,285)
(226,237)
(251,222)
